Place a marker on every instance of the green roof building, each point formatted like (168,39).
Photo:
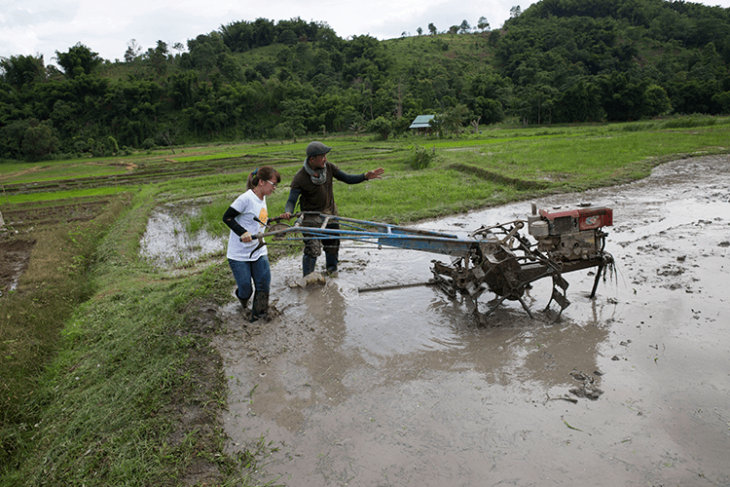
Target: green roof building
(421,122)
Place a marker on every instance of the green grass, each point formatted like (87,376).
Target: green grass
(32,317)
(14,172)
(103,411)
(107,355)
(63,195)
(102,356)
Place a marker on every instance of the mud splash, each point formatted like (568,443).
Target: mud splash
(401,387)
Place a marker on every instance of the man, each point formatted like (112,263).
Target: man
(313,187)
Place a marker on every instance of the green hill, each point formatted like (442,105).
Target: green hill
(559,61)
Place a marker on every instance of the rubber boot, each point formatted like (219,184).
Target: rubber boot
(331,263)
(244,302)
(308,264)
(260,305)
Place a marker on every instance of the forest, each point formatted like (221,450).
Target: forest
(557,62)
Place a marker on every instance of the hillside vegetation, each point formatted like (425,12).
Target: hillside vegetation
(559,61)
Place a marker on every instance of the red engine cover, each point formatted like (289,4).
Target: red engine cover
(587,218)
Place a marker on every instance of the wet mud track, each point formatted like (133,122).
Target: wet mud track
(401,387)
(14,259)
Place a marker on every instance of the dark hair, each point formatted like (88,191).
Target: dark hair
(261,174)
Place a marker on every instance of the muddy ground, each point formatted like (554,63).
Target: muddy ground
(403,388)
(16,230)
(14,259)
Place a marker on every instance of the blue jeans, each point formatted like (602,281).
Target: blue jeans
(244,272)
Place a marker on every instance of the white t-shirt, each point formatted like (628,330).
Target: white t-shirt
(248,205)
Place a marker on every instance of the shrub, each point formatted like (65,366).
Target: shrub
(81,146)
(421,158)
(111,145)
(381,126)
(696,120)
(39,141)
(149,143)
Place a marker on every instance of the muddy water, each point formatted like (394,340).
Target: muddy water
(402,388)
(165,241)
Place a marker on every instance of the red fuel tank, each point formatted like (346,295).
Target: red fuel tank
(562,221)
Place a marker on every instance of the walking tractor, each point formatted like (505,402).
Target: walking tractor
(500,259)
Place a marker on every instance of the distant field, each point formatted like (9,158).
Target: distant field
(563,157)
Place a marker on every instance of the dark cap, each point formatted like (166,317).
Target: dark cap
(317,149)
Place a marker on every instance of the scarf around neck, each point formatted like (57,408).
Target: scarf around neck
(317,179)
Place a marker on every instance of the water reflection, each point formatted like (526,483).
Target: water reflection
(166,242)
(406,332)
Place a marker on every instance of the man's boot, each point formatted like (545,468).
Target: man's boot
(331,263)
(260,305)
(244,302)
(308,264)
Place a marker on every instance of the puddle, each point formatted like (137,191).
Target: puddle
(14,259)
(166,242)
(402,387)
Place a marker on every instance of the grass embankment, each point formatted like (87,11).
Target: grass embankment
(119,384)
(132,394)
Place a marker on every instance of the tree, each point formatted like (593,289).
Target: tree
(265,68)
(357,126)
(39,141)
(483,24)
(78,60)
(230,68)
(206,50)
(401,125)
(623,98)
(287,37)
(489,110)
(11,138)
(420,31)
(658,101)
(493,38)
(158,57)
(464,28)
(722,101)
(18,71)
(515,12)
(432,29)
(381,126)
(133,50)
(238,36)
(399,93)
(579,103)
(182,89)
(488,84)
(541,102)
(436,124)
(454,118)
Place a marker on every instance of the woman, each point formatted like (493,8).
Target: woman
(246,217)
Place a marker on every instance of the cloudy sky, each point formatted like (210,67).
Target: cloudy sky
(32,27)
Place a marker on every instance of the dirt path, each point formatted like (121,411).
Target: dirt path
(401,388)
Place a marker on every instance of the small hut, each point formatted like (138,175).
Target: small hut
(421,124)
